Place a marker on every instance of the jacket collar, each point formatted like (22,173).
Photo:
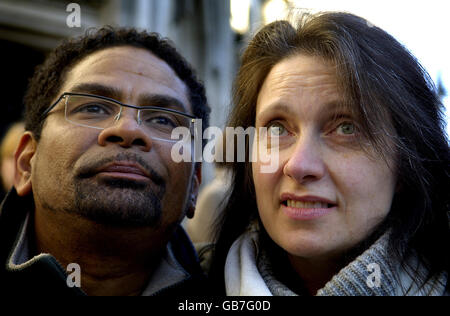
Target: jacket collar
(178,264)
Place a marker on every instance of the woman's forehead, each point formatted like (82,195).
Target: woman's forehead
(299,79)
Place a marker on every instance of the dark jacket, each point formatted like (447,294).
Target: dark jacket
(46,276)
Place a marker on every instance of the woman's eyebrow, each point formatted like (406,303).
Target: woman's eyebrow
(277,107)
(332,108)
(336,110)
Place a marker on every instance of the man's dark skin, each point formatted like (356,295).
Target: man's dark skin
(115,259)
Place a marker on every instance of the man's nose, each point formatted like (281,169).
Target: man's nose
(126,132)
(305,163)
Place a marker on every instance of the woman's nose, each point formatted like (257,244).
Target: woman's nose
(305,163)
(127,133)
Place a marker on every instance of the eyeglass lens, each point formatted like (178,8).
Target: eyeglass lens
(99,113)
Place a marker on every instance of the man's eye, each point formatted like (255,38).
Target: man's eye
(94,109)
(276,129)
(160,120)
(346,128)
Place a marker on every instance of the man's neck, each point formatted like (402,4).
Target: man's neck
(113,261)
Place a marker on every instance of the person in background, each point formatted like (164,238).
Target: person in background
(210,202)
(210,199)
(359,203)
(7,149)
(98,200)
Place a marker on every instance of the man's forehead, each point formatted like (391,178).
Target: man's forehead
(135,59)
(128,69)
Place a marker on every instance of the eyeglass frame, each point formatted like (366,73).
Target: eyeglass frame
(156,108)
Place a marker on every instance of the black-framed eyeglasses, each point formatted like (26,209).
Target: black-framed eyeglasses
(100,112)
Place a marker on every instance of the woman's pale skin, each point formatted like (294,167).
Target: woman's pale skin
(327,194)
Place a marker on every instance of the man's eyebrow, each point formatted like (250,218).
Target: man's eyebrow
(162,101)
(157,100)
(98,89)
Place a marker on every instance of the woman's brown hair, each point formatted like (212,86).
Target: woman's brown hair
(398,111)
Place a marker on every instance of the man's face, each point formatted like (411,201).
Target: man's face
(118,176)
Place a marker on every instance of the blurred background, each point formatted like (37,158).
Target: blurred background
(209,33)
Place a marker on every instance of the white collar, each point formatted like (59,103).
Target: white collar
(243,278)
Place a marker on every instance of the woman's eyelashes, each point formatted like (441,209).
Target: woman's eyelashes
(343,130)
(346,128)
(276,129)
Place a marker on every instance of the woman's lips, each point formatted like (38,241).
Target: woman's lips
(306,207)
(306,213)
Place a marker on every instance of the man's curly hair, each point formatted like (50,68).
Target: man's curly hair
(49,77)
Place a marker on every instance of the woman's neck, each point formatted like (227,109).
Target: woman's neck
(315,273)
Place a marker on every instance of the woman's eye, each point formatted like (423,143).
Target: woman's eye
(346,128)
(276,130)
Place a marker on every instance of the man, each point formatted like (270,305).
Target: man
(98,201)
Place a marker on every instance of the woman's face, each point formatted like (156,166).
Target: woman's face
(327,193)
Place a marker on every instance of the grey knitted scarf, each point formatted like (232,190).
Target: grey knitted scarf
(356,278)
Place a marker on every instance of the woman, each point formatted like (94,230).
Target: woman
(359,202)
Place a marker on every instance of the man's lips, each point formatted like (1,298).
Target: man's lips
(123,165)
(124,170)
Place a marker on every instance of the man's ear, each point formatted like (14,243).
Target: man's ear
(196,181)
(23,157)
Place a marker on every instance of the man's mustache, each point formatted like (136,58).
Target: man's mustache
(91,168)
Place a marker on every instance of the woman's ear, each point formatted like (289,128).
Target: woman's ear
(196,181)
(23,158)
